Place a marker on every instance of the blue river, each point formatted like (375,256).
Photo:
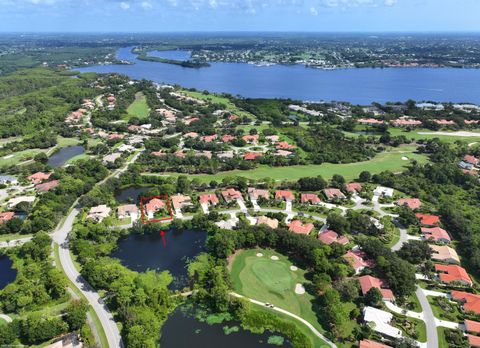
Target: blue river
(358,86)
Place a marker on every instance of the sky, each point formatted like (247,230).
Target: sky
(239,15)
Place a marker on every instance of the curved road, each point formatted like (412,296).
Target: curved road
(60,236)
(310,326)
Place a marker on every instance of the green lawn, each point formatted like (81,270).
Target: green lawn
(267,280)
(390,160)
(139,108)
(442,342)
(2,322)
(20,156)
(216,99)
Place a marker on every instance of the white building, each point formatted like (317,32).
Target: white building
(383,191)
(16,200)
(381,320)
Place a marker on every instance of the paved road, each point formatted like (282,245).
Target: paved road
(429,318)
(310,326)
(60,236)
(403,239)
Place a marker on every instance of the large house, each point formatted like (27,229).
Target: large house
(470,302)
(231,195)
(444,253)
(453,274)
(298,227)
(21,199)
(128,211)
(329,237)
(264,220)
(428,220)
(6,216)
(357,259)
(38,177)
(284,195)
(255,194)
(47,186)
(208,198)
(154,206)
(309,198)
(435,234)
(333,193)
(368,282)
(371,344)
(382,320)
(180,201)
(354,187)
(99,212)
(382,191)
(412,203)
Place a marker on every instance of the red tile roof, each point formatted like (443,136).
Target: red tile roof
(472,326)
(285,146)
(38,177)
(329,237)
(190,135)
(367,282)
(354,187)
(251,138)
(369,121)
(284,194)
(209,138)
(231,194)
(453,273)
(296,226)
(309,197)
(227,137)
(444,122)
(473,341)
(257,193)
(470,159)
(356,260)
(428,220)
(209,198)
(412,203)
(154,205)
(372,344)
(471,302)
(46,186)
(435,234)
(333,193)
(6,216)
(250,156)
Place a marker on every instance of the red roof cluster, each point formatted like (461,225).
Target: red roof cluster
(6,216)
(227,137)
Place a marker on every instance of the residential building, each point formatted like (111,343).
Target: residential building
(111,158)
(180,201)
(370,121)
(128,211)
(16,200)
(298,227)
(255,193)
(251,139)
(444,253)
(38,177)
(209,198)
(435,234)
(47,186)
(471,159)
(8,180)
(6,216)
(309,198)
(470,302)
(453,274)
(382,191)
(412,203)
(284,195)
(371,344)
(472,326)
(381,320)
(354,187)
(283,145)
(251,156)
(154,206)
(473,341)
(333,193)
(231,195)
(99,213)
(357,259)
(264,220)
(328,237)
(428,220)
(368,282)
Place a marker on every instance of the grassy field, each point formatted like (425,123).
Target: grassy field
(267,280)
(216,99)
(390,160)
(139,108)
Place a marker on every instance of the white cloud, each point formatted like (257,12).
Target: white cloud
(124,5)
(146,5)
(390,2)
(313,11)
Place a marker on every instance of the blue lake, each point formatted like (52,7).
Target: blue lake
(358,86)
(7,273)
(60,157)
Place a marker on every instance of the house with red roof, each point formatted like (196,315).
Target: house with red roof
(209,198)
(428,220)
(190,135)
(189,121)
(453,274)
(333,193)
(471,159)
(412,203)
(435,234)
(472,326)
(154,206)
(209,138)
(264,220)
(309,198)
(357,259)
(406,122)
(233,117)
(6,216)
(255,193)
(368,282)
(471,121)
(284,195)
(227,138)
(354,187)
(251,139)
(283,153)
(128,211)
(329,237)
(283,145)
(473,341)
(470,302)
(47,186)
(371,344)
(272,138)
(38,177)
(231,195)
(444,122)
(251,156)
(370,121)
(298,227)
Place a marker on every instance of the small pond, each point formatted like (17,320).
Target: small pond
(7,273)
(61,157)
(185,331)
(143,252)
(131,194)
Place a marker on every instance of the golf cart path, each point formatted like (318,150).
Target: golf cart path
(275,308)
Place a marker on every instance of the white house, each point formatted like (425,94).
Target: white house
(16,200)
(381,320)
(99,213)
(383,191)
(8,180)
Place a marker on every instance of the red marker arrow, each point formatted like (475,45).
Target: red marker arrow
(162,234)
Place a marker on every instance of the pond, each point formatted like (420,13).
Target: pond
(184,331)
(7,273)
(131,194)
(144,252)
(61,157)
(358,86)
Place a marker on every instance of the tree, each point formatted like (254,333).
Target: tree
(373,297)
(415,251)
(76,314)
(338,223)
(364,176)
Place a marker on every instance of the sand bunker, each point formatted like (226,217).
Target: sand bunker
(259,254)
(405,158)
(274,258)
(293,268)
(299,289)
